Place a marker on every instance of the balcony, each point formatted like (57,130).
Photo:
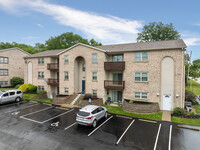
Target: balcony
(114,66)
(53,82)
(53,66)
(115,85)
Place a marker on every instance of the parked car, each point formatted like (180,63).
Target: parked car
(90,114)
(10,96)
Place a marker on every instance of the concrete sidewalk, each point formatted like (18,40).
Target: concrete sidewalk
(166,116)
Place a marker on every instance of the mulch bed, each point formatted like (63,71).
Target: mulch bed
(187,116)
(41,96)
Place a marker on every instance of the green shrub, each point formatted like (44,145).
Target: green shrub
(190,97)
(16,80)
(32,88)
(17,86)
(87,96)
(41,92)
(178,111)
(24,87)
(192,114)
(130,101)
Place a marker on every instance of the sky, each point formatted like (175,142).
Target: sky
(107,21)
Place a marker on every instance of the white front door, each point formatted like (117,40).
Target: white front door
(167,102)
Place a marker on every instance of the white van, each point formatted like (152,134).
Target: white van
(10,96)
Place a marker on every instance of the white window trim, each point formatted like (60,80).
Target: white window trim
(141,95)
(141,76)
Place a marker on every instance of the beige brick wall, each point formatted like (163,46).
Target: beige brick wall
(153,67)
(15,64)
(98,67)
(35,69)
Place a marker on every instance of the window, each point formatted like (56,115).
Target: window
(5,95)
(141,76)
(94,76)
(117,58)
(66,59)
(83,67)
(40,60)
(140,95)
(40,88)
(94,58)
(40,74)
(19,92)
(3,82)
(66,90)
(94,92)
(3,60)
(3,72)
(66,76)
(141,56)
(12,93)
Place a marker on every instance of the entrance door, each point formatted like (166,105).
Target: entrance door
(167,102)
(117,78)
(116,96)
(83,86)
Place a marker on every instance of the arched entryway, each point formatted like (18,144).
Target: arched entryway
(30,73)
(167,83)
(79,75)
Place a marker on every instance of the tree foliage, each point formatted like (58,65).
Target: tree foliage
(62,41)
(158,32)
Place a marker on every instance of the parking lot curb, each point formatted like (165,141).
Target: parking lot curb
(124,117)
(190,128)
(150,121)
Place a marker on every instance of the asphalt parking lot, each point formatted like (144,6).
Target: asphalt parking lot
(39,126)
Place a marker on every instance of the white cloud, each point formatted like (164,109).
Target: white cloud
(107,29)
(191,38)
(40,25)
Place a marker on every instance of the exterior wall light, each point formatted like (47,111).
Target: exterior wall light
(177,95)
(157,94)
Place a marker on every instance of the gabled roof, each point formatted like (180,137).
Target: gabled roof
(47,53)
(96,48)
(141,46)
(14,48)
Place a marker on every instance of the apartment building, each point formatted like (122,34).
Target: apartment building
(11,64)
(146,71)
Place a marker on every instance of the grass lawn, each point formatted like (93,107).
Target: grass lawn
(197,107)
(195,87)
(194,122)
(120,111)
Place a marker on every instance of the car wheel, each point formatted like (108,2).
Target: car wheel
(106,115)
(94,123)
(17,99)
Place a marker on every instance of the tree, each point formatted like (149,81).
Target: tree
(197,62)
(67,40)
(158,32)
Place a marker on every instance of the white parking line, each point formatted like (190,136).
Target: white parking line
(125,132)
(70,126)
(37,111)
(99,126)
(58,116)
(41,122)
(155,145)
(21,108)
(170,137)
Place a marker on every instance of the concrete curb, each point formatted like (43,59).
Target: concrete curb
(150,121)
(190,128)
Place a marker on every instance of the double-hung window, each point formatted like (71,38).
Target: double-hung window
(94,76)
(40,74)
(94,58)
(66,59)
(66,75)
(141,56)
(41,60)
(141,76)
(40,88)
(94,93)
(140,95)
(3,60)
(67,90)
(3,82)
(3,72)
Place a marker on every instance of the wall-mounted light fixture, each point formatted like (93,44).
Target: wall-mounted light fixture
(177,95)
(157,94)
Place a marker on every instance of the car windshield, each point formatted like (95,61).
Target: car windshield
(1,93)
(82,113)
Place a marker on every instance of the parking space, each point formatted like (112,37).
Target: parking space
(114,132)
